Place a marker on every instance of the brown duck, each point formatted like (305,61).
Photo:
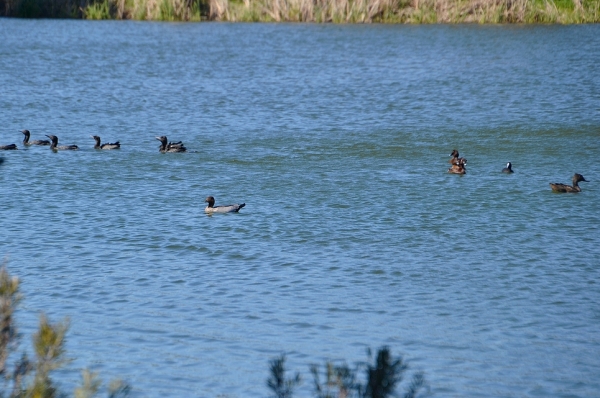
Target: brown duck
(459,167)
(454,155)
(556,187)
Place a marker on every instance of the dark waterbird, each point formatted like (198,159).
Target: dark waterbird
(54,145)
(26,141)
(557,187)
(9,147)
(172,147)
(211,208)
(113,145)
(508,169)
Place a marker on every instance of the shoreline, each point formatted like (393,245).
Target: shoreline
(414,12)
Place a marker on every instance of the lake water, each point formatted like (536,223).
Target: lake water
(353,236)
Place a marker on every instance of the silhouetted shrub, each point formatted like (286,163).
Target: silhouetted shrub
(277,382)
(32,378)
(381,379)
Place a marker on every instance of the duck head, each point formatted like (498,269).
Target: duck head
(211,201)
(578,178)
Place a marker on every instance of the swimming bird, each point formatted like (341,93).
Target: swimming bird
(9,147)
(556,187)
(454,155)
(211,208)
(171,146)
(54,144)
(459,167)
(26,141)
(455,158)
(113,145)
(508,168)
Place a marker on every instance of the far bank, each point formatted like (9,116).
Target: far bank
(315,11)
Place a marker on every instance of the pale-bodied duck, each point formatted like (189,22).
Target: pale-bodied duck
(508,169)
(211,208)
(54,145)
(112,145)
(26,141)
(556,187)
(172,147)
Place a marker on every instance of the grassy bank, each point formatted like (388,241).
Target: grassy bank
(319,11)
(408,11)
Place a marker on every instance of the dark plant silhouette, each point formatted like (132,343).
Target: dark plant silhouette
(281,387)
(381,378)
(32,378)
(417,383)
(340,381)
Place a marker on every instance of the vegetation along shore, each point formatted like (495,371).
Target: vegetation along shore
(32,377)
(317,11)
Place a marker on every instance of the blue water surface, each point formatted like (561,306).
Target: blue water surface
(354,236)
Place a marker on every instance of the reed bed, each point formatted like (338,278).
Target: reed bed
(408,11)
(316,11)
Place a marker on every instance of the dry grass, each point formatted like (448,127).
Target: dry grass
(398,11)
(319,11)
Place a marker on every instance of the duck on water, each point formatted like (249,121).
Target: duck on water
(459,167)
(9,147)
(54,145)
(454,156)
(171,147)
(557,187)
(26,141)
(211,208)
(508,169)
(113,145)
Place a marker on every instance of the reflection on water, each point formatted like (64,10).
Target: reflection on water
(353,236)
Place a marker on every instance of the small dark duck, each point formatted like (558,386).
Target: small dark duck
(113,145)
(211,208)
(171,147)
(508,169)
(459,167)
(54,145)
(556,187)
(26,141)
(9,147)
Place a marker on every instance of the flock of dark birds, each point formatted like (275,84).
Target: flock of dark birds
(458,164)
(165,147)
